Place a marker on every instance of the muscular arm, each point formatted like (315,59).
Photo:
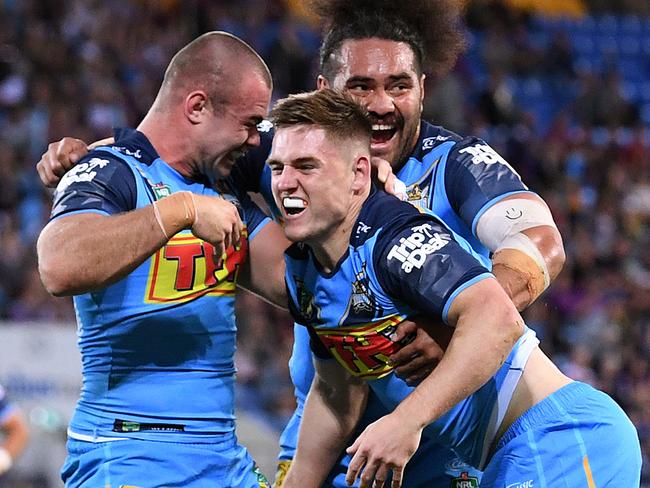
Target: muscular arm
(263,273)
(86,252)
(487,324)
(334,405)
(516,281)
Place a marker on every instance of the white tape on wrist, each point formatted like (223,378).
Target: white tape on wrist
(5,460)
(521,242)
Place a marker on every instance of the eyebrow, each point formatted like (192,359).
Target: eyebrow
(392,78)
(297,161)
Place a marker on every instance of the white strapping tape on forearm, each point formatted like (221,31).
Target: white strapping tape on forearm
(521,242)
(508,218)
(5,460)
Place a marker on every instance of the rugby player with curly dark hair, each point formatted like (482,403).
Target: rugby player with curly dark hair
(379,52)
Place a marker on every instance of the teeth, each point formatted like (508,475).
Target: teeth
(290,202)
(382,127)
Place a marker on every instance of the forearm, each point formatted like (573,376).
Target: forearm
(85,252)
(489,329)
(524,278)
(329,419)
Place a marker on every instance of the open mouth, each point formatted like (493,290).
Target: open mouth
(382,133)
(293,205)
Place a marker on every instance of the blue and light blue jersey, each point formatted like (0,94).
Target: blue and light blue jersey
(454,177)
(157,346)
(400,262)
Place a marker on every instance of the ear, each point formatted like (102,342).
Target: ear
(196,106)
(361,174)
(322,83)
(422,79)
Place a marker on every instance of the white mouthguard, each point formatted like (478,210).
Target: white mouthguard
(290,202)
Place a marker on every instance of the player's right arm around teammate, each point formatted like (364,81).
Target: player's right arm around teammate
(104,239)
(334,405)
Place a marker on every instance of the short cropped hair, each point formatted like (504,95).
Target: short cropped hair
(432,28)
(335,112)
(214,62)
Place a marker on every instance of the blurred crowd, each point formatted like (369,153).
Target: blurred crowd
(566,100)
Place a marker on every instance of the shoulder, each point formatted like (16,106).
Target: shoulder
(380,211)
(432,136)
(99,164)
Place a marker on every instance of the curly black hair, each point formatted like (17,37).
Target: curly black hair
(433,29)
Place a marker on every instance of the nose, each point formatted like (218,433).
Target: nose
(380,102)
(286,180)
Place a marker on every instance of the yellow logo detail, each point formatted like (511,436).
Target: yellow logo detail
(364,349)
(186,268)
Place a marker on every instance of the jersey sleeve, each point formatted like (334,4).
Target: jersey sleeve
(418,262)
(99,183)
(476,176)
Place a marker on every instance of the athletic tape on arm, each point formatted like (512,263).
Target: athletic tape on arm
(501,226)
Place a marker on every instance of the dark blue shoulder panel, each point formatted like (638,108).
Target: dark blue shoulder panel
(475,174)
(100,182)
(418,262)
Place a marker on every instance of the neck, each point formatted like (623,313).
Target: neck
(171,145)
(330,248)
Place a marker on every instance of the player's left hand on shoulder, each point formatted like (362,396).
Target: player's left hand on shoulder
(383,449)
(384,173)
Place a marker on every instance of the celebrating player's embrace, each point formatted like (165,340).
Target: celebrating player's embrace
(504,408)
(166,232)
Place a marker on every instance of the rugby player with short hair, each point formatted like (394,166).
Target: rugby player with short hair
(362,261)
(152,238)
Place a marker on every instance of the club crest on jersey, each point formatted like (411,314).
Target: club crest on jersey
(362,303)
(412,251)
(418,196)
(464,481)
(306,303)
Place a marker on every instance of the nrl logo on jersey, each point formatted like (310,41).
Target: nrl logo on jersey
(413,251)
(161,190)
(465,481)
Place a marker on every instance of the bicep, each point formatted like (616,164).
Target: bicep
(484,301)
(263,273)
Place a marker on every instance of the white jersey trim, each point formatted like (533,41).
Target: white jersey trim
(525,346)
(91,438)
